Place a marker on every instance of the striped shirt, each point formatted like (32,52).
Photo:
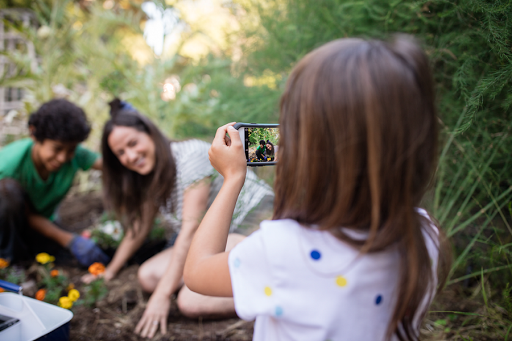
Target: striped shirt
(193,165)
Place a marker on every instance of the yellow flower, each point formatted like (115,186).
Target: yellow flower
(65,302)
(44,258)
(70,286)
(3,263)
(73,295)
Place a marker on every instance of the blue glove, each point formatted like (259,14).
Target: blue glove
(87,252)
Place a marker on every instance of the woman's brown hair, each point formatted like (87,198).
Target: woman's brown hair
(129,193)
(364,111)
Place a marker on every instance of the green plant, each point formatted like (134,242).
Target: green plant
(94,292)
(109,232)
(13,274)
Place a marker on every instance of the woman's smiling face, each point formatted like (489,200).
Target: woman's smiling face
(134,149)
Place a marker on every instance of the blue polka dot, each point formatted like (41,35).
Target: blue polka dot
(316,255)
(378,300)
(236,263)
(279,311)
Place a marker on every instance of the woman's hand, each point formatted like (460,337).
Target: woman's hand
(155,314)
(107,276)
(227,153)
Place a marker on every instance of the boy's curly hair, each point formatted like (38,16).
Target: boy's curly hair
(59,120)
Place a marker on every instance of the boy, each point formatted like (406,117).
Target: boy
(35,176)
(260,151)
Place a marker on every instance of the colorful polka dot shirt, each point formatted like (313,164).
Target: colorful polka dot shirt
(305,284)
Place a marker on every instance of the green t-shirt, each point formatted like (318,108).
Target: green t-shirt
(45,195)
(261,148)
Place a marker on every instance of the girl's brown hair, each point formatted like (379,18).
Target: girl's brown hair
(129,193)
(364,111)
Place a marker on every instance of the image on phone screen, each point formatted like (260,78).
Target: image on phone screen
(262,144)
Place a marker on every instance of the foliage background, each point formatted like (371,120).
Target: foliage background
(236,71)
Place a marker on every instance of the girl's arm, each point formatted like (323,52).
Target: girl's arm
(206,269)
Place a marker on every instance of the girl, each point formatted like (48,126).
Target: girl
(348,254)
(145,173)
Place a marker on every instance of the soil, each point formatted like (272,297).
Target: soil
(115,317)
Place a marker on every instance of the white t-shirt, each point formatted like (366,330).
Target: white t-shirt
(305,284)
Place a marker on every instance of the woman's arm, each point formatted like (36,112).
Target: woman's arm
(206,269)
(131,242)
(195,200)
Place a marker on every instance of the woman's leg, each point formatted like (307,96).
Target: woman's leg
(193,305)
(190,303)
(153,269)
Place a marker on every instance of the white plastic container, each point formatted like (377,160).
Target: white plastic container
(38,320)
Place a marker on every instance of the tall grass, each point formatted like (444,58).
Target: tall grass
(472,201)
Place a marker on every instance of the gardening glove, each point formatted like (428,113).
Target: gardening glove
(86,251)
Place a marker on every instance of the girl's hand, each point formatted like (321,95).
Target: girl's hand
(155,315)
(227,153)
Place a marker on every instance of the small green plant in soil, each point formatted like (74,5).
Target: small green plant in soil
(109,232)
(94,292)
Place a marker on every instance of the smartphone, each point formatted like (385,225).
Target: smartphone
(261,142)
(7,321)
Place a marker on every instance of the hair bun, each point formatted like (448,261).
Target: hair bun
(126,106)
(115,106)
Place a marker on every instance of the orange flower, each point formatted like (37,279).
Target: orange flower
(3,263)
(71,286)
(97,268)
(54,273)
(40,294)
(2,290)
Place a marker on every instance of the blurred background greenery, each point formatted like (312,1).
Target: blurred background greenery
(217,61)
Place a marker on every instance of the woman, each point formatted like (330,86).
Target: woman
(141,176)
(270,151)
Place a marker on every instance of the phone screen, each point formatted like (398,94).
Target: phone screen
(261,144)
(7,321)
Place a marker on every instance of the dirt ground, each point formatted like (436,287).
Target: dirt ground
(115,317)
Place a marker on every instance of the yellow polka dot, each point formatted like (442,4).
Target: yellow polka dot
(341,281)
(268,291)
